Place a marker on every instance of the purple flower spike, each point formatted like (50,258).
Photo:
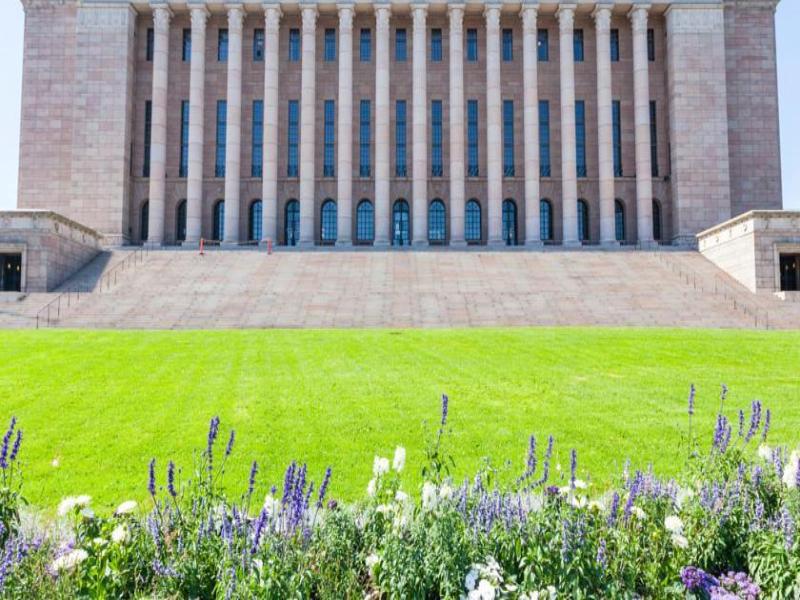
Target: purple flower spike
(531,464)
(229,447)
(323,489)
(573,467)
(767,419)
(6,441)
(17,442)
(171,479)
(151,484)
(755,420)
(251,484)
(213,431)
(445,407)
(691,399)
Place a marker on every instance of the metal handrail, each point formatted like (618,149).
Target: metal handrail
(73,295)
(721,287)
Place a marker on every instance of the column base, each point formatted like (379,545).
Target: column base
(420,243)
(496,244)
(609,244)
(343,244)
(305,244)
(190,244)
(572,244)
(229,244)
(647,244)
(534,244)
(458,244)
(382,244)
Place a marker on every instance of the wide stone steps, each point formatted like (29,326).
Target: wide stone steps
(180,289)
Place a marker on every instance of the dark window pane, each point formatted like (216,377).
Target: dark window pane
(222,45)
(543,45)
(258,45)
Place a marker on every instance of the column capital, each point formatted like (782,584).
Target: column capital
(529,14)
(456,8)
(345,16)
(383,13)
(161,15)
(309,13)
(492,14)
(602,15)
(419,11)
(199,14)
(235,16)
(638,15)
(272,16)
(566,16)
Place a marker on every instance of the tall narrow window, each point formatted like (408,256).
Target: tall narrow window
(400,46)
(651,45)
(436,45)
(437,166)
(472,138)
(615,45)
(472,222)
(619,221)
(508,45)
(653,139)
(149,46)
(508,138)
(437,228)
(364,139)
(656,220)
(258,45)
(616,122)
(330,45)
(148,132)
(545,220)
(472,45)
(580,137)
(257,149)
(294,45)
(222,45)
(219,221)
(577,44)
(293,133)
(583,220)
(183,165)
(329,139)
(400,168)
(542,45)
(544,138)
(365,45)
(365,222)
(254,221)
(328,222)
(186,47)
(222,128)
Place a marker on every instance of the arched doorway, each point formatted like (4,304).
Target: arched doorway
(509,222)
(583,220)
(619,220)
(437,228)
(545,220)
(218,233)
(180,222)
(328,229)
(472,222)
(656,220)
(400,225)
(254,222)
(291,224)
(365,222)
(144,221)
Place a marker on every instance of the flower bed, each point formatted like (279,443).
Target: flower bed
(724,529)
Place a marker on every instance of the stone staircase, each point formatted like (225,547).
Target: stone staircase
(249,289)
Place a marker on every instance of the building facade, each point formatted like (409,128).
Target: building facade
(400,123)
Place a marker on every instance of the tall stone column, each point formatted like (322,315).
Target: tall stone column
(569,183)
(382,117)
(233,132)
(308,97)
(197,78)
(641,101)
(494,126)
(530,78)
(158,127)
(269,183)
(456,12)
(419,131)
(344,140)
(605,133)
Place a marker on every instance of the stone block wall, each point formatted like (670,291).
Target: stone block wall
(53,248)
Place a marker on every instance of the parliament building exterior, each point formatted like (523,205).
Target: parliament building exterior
(400,123)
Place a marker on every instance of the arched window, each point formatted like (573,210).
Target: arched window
(472,222)
(291,226)
(545,220)
(583,220)
(400,227)
(509,222)
(219,221)
(436,222)
(144,221)
(656,220)
(365,222)
(254,221)
(619,220)
(328,225)
(180,222)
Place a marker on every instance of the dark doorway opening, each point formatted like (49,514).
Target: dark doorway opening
(11,272)
(790,272)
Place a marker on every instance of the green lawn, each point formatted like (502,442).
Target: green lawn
(103,403)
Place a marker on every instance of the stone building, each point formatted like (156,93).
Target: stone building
(400,122)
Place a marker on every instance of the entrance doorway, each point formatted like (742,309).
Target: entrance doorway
(10,272)
(790,272)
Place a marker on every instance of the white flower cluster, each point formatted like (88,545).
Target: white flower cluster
(67,505)
(380,467)
(674,525)
(485,581)
(790,471)
(433,496)
(67,562)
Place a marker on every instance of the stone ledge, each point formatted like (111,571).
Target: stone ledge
(752,215)
(37,214)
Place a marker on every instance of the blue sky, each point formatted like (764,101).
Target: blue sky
(788,20)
